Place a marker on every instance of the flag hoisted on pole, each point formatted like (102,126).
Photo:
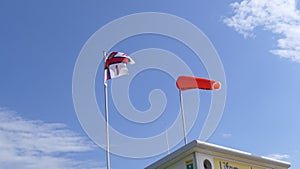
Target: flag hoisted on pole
(190,82)
(115,65)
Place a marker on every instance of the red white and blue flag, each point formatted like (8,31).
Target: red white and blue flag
(116,65)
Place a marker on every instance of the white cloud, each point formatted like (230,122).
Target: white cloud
(226,135)
(28,144)
(281,17)
(279,156)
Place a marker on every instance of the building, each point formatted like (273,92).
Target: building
(202,155)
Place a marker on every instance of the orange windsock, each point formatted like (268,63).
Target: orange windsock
(190,82)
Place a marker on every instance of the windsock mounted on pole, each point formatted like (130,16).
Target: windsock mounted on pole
(190,82)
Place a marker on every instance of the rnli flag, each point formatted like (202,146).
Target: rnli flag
(116,65)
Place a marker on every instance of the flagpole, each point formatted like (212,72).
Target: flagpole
(106,119)
(182,116)
(167,140)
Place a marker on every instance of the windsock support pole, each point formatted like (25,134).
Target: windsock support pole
(182,117)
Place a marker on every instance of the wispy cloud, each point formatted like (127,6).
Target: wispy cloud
(31,144)
(281,17)
(279,156)
(226,135)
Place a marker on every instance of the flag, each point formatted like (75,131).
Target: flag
(190,82)
(116,65)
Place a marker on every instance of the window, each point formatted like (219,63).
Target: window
(207,164)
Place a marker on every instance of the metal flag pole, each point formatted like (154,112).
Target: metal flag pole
(106,118)
(182,116)
(167,140)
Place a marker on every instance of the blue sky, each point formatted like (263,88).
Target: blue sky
(257,42)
